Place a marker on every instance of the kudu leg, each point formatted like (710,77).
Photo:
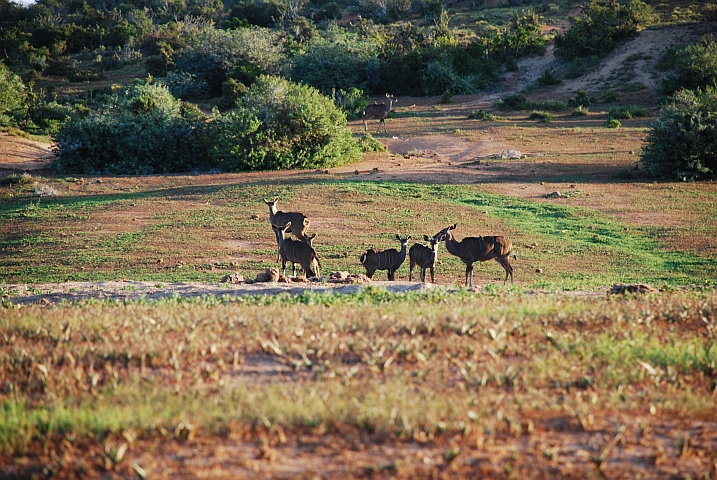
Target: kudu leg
(469,274)
(505,263)
(433,280)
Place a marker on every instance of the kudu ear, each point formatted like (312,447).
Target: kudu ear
(453,227)
(288,224)
(306,222)
(426,238)
(398,237)
(276,199)
(388,95)
(408,238)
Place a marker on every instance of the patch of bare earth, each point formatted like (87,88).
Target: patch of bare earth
(19,154)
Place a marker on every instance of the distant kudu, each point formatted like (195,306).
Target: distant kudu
(479,249)
(299,220)
(296,252)
(424,257)
(379,110)
(390,259)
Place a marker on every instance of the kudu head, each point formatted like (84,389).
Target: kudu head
(272,204)
(310,239)
(403,241)
(434,241)
(445,234)
(281,231)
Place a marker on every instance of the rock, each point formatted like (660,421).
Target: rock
(349,278)
(268,275)
(555,194)
(538,270)
(232,278)
(621,288)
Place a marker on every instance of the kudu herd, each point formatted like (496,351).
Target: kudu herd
(469,250)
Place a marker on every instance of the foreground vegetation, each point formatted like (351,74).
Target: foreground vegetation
(414,366)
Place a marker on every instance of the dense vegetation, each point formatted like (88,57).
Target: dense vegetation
(682,143)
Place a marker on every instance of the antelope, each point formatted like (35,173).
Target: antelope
(296,252)
(379,110)
(299,220)
(424,257)
(390,259)
(479,249)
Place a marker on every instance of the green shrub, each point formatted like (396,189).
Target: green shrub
(682,142)
(600,26)
(581,111)
(541,116)
(613,123)
(626,112)
(145,131)
(351,101)
(514,102)
(281,125)
(12,97)
(548,78)
(553,105)
(582,99)
(483,115)
(369,144)
(446,97)
(694,66)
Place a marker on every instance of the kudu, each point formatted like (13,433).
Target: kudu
(479,249)
(298,220)
(296,252)
(390,259)
(379,110)
(424,257)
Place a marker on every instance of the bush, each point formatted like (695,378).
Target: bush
(541,116)
(351,101)
(12,97)
(184,85)
(369,144)
(548,78)
(600,26)
(694,66)
(553,105)
(514,102)
(682,142)
(282,125)
(613,123)
(341,61)
(483,115)
(446,97)
(582,99)
(146,131)
(581,111)
(627,112)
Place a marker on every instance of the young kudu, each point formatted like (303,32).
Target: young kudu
(424,257)
(296,252)
(390,259)
(479,249)
(298,220)
(379,110)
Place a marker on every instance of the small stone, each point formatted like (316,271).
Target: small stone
(538,270)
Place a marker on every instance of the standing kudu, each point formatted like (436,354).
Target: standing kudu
(479,249)
(424,257)
(390,259)
(298,220)
(379,110)
(296,252)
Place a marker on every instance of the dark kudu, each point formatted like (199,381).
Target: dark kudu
(298,220)
(479,249)
(379,110)
(296,252)
(390,259)
(424,257)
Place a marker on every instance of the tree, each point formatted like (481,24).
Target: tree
(12,96)
(600,26)
(682,143)
(281,125)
